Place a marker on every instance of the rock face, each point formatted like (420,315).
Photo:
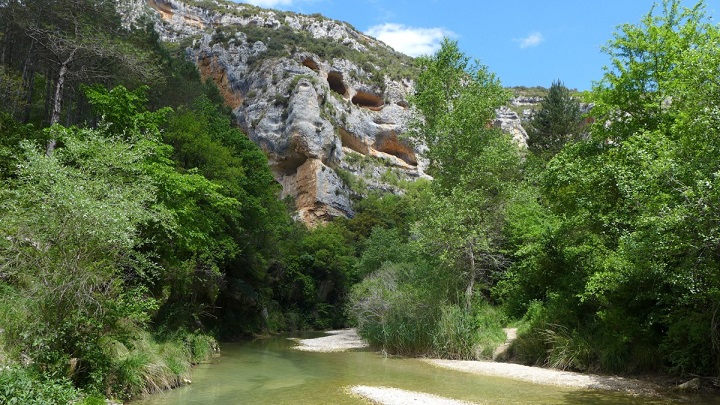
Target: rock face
(330,125)
(326,103)
(509,121)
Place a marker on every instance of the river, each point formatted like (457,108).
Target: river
(269,371)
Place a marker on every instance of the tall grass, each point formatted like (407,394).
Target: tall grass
(469,335)
(146,365)
(394,316)
(456,334)
(404,317)
(567,349)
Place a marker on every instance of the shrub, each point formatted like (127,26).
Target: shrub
(688,343)
(456,334)
(20,386)
(395,312)
(469,335)
(489,321)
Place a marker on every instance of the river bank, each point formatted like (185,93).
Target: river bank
(273,371)
(348,339)
(336,341)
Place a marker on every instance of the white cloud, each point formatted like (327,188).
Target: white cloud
(269,3)
(531,40)
(410,40)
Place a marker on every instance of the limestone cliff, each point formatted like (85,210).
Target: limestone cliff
(326,103)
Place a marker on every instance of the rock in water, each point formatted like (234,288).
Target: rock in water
(691,385)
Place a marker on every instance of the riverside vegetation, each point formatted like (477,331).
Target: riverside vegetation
(138,225)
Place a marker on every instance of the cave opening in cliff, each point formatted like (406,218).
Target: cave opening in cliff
(290,164)
(392,145)
(310,63)
(165,9)
(335,80)
(368,100)
(349,140)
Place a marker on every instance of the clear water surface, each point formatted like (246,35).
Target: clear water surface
(269,371)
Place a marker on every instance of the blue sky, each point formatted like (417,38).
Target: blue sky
(525,42)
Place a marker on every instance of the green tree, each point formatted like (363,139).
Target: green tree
(620,252)
(70,227)
(383,245)
(474,165)
(557,122)
(84,257)
(457,100)
(634,92)
(204,142)
(314,276)
(420,296)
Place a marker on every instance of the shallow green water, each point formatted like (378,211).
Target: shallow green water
(268,371)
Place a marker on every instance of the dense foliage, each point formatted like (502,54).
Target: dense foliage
(137,224)
(616,261)
(605,252)
(557,122)
(143,226)
(425,302)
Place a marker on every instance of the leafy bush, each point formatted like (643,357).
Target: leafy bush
(19,386)
(687,344)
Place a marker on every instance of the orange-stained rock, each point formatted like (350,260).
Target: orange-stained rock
(210,69)
(319,193)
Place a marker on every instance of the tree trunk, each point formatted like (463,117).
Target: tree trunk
(59,86)
(471,282)
(28,77)
(6,43)
(57,100)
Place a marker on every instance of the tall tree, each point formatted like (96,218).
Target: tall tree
(457,100)
(633,94)
(624,253)
(70,41)
(557,122)
(474,165)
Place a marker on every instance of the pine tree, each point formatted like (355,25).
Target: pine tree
(557,122)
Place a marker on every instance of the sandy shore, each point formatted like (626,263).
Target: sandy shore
(347,339)
(338,341)
(546,376)
(396,396)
